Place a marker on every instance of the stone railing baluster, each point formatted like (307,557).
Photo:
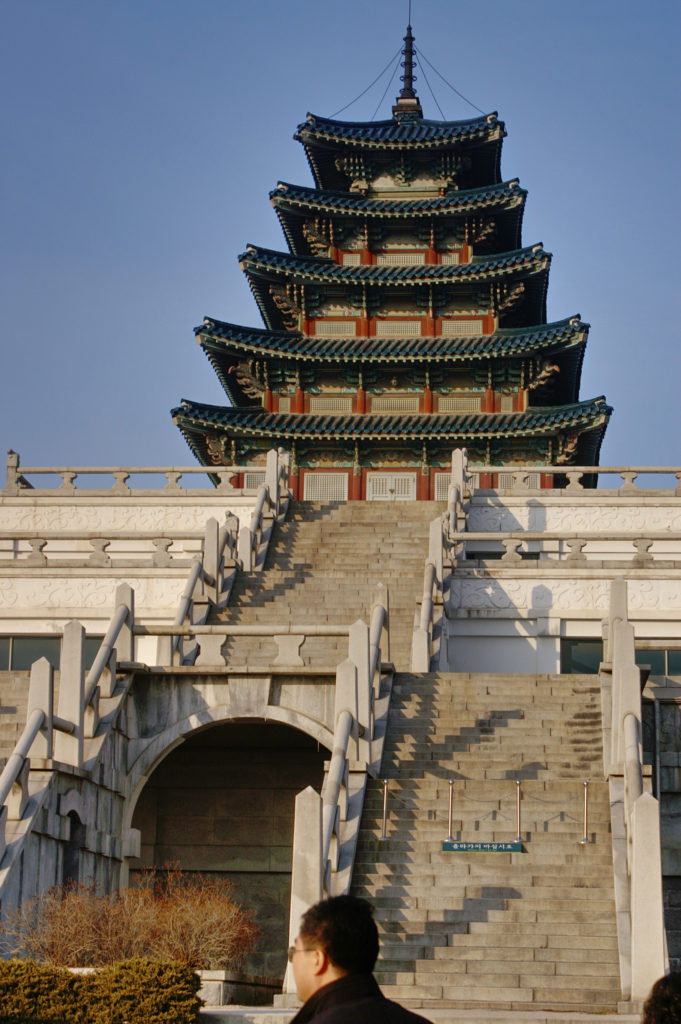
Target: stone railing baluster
(68,480)
(628,487)
(36,557)
(99,556)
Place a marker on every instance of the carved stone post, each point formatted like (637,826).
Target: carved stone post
(12,472)
(647,916)
(358,652)
(346,700)
(307,868)
(272,479)
(69,747)
(41,697)
(211,557)
(626,687)
(125,645)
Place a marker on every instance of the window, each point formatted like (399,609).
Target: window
(662,662)
(580,657)
(19,652)
(584,656)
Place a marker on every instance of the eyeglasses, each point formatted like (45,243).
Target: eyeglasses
(292,950)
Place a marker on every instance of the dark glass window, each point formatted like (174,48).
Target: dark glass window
(19,652)
(674,663)
(580,657)
(27,649)
(656,660)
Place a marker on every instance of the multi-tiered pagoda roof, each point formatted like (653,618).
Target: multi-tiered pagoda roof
(405,319)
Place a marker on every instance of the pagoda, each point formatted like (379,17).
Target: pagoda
(406,319)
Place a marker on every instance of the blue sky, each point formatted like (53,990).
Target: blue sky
(142,137)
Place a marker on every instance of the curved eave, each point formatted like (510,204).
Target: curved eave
(304,201)
(223,340)
(545,422)
(323,139)
(264,267)
(313,269)
(420,133)
(224,366)
(293,204)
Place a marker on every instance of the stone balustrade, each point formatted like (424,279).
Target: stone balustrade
(526,478)
(72,549)
(598,549)
(107,480)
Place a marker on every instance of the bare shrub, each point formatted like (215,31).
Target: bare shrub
(170,916)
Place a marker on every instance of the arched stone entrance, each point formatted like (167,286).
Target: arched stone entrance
(223,802)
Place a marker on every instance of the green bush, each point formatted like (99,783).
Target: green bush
(138,991)
(32,993)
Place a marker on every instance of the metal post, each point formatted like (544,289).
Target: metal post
(518,837)
(585,838)
(450,837)
(385,808)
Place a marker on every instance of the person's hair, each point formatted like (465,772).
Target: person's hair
(663,1005)
(344,928)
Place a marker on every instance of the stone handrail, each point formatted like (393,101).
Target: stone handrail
(574,474)
(319,849)
(272,495)
(62,736)
(515,541)
(433,580)
(208,582)
(642,947)
(16,481)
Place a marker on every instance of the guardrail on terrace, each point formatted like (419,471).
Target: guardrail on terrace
(17,478)
(598,548)
(528,477)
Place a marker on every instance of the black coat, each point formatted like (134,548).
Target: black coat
(354,999)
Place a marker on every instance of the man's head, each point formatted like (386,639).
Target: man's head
(337,937)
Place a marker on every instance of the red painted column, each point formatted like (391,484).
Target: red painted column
(489,400)
(269,400)
(427,400)
(299,403)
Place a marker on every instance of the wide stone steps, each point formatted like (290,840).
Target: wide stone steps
(548,911)
(444,1013)
(322,566)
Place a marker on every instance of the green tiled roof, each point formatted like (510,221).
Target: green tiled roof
(539,421)
(220,337)
(313,200)
(255,259)
(403,134)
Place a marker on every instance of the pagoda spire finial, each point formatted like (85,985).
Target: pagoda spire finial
(407,106)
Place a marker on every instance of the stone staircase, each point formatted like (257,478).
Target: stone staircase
(322,566)
(508,931)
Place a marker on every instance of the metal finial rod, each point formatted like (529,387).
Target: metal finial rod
(408,64)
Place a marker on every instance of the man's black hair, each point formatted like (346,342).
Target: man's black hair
(344,928)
